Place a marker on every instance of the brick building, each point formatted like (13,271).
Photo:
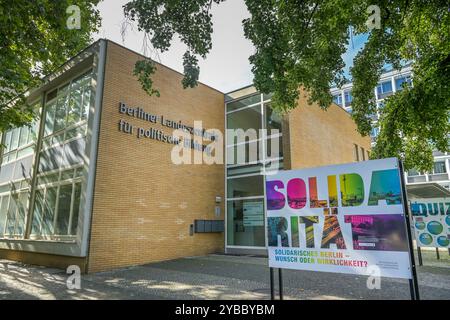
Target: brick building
(93,180)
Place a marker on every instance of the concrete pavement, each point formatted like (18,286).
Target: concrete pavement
(214,277)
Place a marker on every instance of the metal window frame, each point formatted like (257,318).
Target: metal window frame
(262,104)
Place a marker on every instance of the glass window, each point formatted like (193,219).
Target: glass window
(49,211)
(402,80)
(374,133)
(4,202)
(63,213)
(8,140)
(22,206)
(273,149)
(61,110)
(11,215)
(249,169)
(15,139)
(273,120)
(413,172)
(76,209)
(234,105)
(38,212)
(245,187)
(244,153)
(439,167)
(384,89)
(245,223)
(23,136)
(75,104)
(50,110)
(355,152)
(267,96)
(86,98)
(337,98)
(245,119)
(348,98)
(363,154)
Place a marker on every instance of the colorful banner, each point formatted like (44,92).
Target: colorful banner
(346,218)
(431,219)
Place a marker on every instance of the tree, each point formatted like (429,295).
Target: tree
(36,37)
(301,43)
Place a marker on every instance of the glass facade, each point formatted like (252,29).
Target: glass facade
(42,168)
(247,162)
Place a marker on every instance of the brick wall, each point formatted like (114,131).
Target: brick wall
(319,137)
(143,203)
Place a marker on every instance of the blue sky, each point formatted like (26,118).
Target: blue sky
(352,49)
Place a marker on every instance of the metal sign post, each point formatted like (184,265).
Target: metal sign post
(413,283)
(419,254)
(272,289)
(280,282)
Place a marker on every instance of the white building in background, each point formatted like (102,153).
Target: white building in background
(389,83)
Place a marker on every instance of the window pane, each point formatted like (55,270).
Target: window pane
(413,172)
(8,140)
(400,81)
(62,220)
(11,215)
(25,152)
(76,132)
(387,86)
(60,115)
(21,213)
(49,118)
(244,102)
(23,137)
(15,139)
(245,119)
(273,120)
(384,89)
(355,152)
(76,209)
(245,219)
(86,101)
(439,167)
(32,134)
(337,99)
(348,98)
(244,153)
(75,107)
(49,212)
(267,96)
(274,147)
(245,187)
(38,212)
(244,170)
(3,212)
